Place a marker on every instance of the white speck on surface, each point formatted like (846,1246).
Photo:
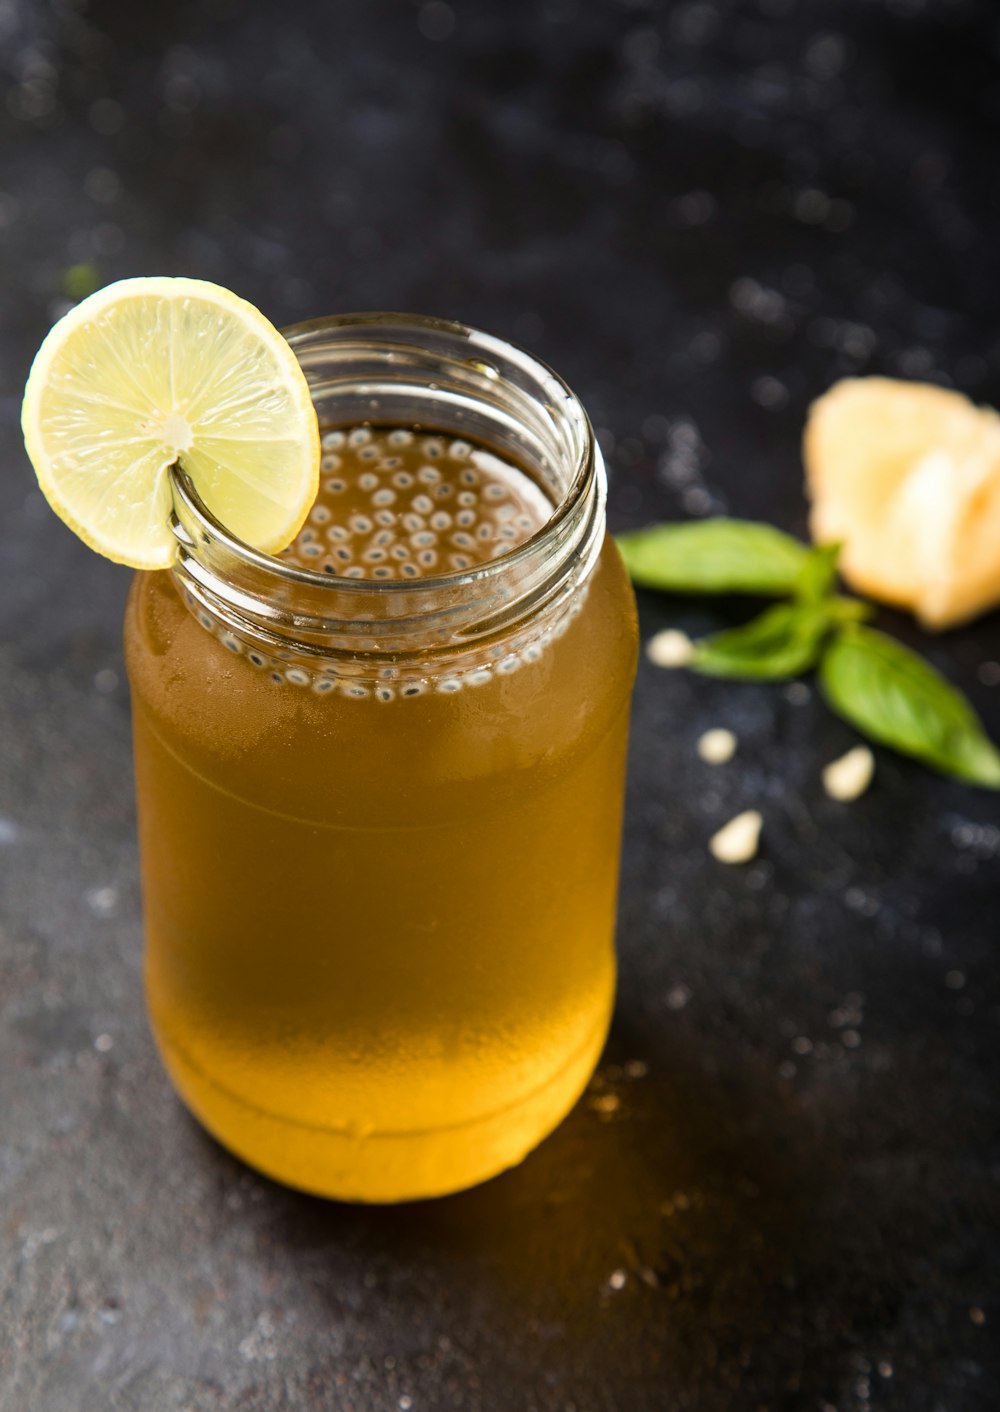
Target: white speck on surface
(34,1240)
(9,831)
(857,900)
(737,841)
(850,1013)
(678,997)
(849,777)
(617,1279)
(405,1403)
(796,693)
(717,746)
(103,1043)
(826,55)
(102,185)
(769,392)
(885,1369)
(105,681)
(756,301)
(656,427)
(801,1044)
(981,839)
(102,900)
(259,1344)
(811,206)
(694,208)
(759,876)
(670,648)
(696,500)
(705,347)
(685,455)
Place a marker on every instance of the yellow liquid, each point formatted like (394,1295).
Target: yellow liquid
(380,932)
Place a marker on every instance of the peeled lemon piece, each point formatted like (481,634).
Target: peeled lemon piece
(907,477)
(148,373)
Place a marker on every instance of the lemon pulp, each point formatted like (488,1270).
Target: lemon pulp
(148,373)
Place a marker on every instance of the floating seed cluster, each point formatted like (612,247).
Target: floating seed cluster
(395,504)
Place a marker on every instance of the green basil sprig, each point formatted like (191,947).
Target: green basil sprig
(882,688)
(782,642)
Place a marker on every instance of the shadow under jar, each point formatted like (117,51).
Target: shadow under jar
(380,816)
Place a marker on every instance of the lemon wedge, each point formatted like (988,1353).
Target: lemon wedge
(907,477)
(149,373)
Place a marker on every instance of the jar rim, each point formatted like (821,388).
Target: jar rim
(471,379)
(196,513)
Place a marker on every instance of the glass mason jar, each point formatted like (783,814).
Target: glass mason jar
(380,821)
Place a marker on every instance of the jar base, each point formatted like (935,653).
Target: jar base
(388,1167)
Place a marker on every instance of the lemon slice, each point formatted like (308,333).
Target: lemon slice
(148,373)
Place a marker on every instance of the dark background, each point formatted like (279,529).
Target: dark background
(779,1192)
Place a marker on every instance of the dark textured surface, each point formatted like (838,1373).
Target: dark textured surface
(780,1191)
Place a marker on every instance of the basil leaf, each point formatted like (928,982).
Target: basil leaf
(818,573)
(781,642)
(895,697)
(714,556)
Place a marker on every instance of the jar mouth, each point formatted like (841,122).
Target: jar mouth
(406,369)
